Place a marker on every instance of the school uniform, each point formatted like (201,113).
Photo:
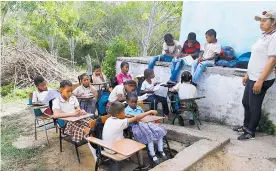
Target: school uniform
(74,129)
(89,105)
(39,97)
(118,90)
(146,133)
(98,80)
(155,99)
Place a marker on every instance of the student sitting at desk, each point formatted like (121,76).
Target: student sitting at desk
(86,89)
(98,76)
(120,91)
(186,90)
(123,75)
(41,93)
(66,106)
(148,87)
(146,133)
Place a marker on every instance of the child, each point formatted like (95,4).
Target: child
(186,90)
(147,87)
(191,46)
(120,91)
(146,133)
(67,105)
(86,89)
(98,76)
(206,57)
(123,76)
(41,93)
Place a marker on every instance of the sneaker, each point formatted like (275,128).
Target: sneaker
(155,160)
(194,84)
(162,155)
(191,122)
(171,82)
(239,129)
(246,136)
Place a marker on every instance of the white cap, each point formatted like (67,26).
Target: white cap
(266,14)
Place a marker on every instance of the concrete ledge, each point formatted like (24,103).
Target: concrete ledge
(203,144)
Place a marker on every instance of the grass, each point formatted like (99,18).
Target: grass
(14,158)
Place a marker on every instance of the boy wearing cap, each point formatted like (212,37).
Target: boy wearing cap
(259,77)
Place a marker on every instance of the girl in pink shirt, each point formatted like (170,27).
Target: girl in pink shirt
(123,75)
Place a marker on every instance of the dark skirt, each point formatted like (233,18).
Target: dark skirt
(88,105)
(148,132)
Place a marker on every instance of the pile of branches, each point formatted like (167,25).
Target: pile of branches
(23,60)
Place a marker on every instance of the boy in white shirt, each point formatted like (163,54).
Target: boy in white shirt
(186,91)
(207,55)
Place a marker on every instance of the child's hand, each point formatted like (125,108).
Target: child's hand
(76,112)
(199,60)
(83,112)
(153,112)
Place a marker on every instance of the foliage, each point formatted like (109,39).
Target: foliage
(5,90)
(119,47)
(266,125)
(80,28)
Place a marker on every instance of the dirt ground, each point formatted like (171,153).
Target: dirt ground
(254,155)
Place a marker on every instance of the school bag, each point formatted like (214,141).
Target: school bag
(102,101)
(242,61)
(113,82)
(226,58)
(140,81)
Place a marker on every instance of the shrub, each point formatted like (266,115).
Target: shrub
(118,47)
(266,125)
(5,90)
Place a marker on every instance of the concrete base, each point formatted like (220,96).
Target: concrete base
(202,145)
(222,87)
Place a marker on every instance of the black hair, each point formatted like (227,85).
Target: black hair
(82,76)
(96,67)
(132,95)
(148,72)
(191,36)
(168,37)
(116,108)
(38,80)
(211,32)
(65,83)
(124,64)
(186,76)
(130,83)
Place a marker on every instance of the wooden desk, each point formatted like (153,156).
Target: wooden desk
(84,97)
(151,118)
(126,147)
(76,118)
(38,106)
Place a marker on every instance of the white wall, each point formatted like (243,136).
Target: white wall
(222,87)
(233,21)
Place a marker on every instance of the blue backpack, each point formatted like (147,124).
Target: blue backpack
(242,61)
(226,58)
(102,101)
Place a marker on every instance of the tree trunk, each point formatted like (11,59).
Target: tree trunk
(146,40)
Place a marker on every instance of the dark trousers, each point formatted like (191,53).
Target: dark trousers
(253,104)
(154,100)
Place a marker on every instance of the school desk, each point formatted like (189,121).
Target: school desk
(151,118)
(76,118)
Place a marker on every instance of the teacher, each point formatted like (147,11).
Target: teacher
(259,77)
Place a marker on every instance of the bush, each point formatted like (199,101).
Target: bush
(118,47)
(5,90)
(266,125)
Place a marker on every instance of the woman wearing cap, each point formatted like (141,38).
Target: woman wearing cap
(259,77)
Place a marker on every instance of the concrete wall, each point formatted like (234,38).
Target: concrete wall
(233,21)
(221,86)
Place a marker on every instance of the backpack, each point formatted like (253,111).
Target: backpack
(140,81)
(97,131)
(227,53)
(102,101)
(242,61)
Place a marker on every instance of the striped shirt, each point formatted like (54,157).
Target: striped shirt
(190,50)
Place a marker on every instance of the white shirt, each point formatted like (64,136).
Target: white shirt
(172,49)
(209,49)
(185,90)
(119,89)
(98,80)
(147,86)
(113,129)
(84,90)
(264,48)
(66,106)
(38,97)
